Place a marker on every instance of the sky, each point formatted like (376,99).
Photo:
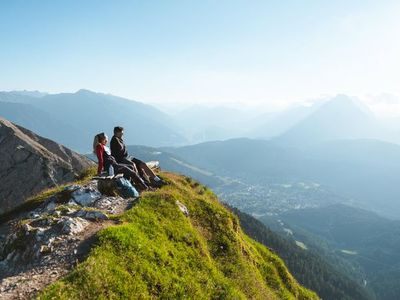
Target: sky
(243,53)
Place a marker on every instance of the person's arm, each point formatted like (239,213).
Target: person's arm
(100,158)
(125,154)
(116,149)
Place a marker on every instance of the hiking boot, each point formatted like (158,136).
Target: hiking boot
(140,185)
(158,182)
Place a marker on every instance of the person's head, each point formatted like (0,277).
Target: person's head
(118,131)
(100,138)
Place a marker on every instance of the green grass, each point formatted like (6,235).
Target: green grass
(158,252)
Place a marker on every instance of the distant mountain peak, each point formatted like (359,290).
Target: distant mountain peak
(35,93)
(85,91)
(346,103)
(341,117)
(340,100)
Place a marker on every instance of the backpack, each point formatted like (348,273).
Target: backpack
(125,188)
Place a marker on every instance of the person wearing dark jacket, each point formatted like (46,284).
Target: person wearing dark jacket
(108,163)
(119,151)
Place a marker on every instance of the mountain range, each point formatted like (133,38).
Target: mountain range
(57,116)
(340,117)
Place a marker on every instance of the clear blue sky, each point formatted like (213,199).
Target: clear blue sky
(202,51)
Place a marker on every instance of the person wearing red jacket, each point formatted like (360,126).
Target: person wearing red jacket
(108,164)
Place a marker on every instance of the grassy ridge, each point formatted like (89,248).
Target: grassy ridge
(158,252)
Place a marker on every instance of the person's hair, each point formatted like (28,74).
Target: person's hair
(98,139)
(118,129)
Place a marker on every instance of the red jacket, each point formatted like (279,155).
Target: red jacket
(100,158)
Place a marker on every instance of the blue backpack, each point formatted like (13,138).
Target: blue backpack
(126,189)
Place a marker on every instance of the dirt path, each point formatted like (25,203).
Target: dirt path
(24,282)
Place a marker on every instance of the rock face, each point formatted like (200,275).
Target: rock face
(30,163)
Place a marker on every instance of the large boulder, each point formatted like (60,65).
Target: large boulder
(30,163)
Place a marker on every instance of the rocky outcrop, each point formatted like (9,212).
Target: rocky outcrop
(43,245)
(30,163)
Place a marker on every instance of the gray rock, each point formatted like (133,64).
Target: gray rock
(72,226)
(51,206)
(72,188)
(72,202)
(86,196)
(45,249)
(30,163)
(27,228)
(91,215)
(96,215)
(34,215)
(182,208)
(40,234)
(10,255)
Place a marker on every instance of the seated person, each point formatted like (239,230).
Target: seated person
(119,151)
(106,162)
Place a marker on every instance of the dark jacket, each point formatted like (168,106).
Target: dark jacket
(118,149)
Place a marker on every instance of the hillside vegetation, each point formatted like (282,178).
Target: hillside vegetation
(329,278)
(158,252)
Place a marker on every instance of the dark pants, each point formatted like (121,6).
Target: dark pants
(143,170)
(131,174)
